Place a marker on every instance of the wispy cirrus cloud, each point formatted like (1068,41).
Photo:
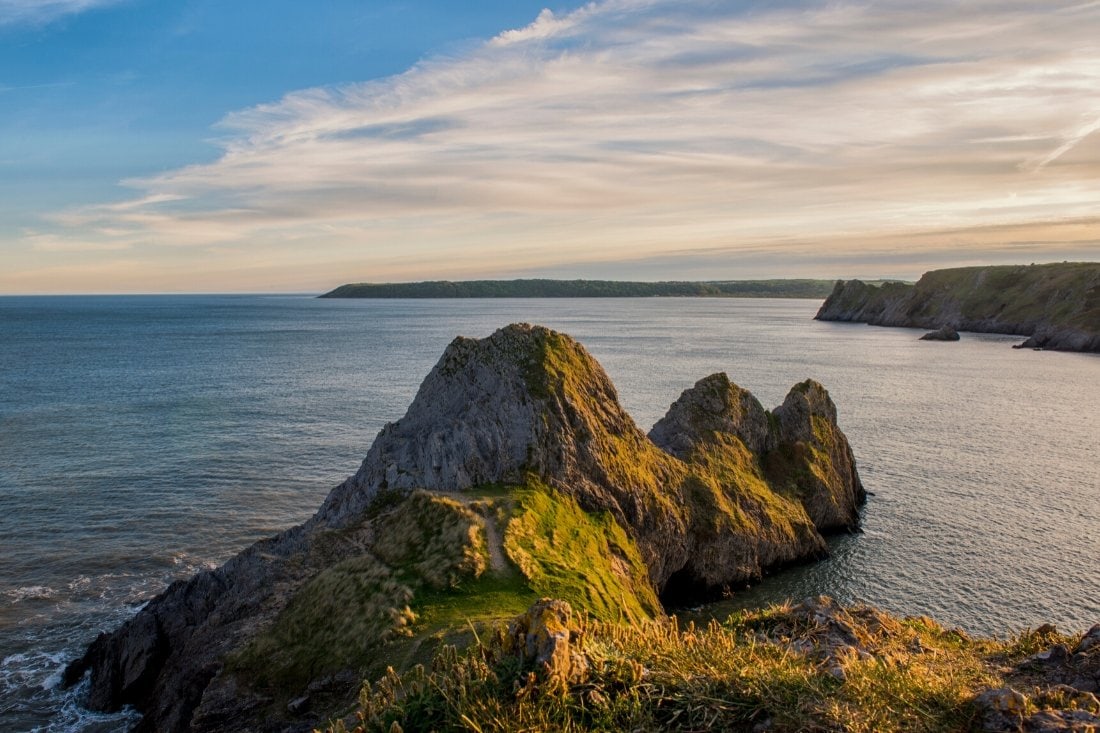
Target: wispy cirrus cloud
(637,128)
(40,12)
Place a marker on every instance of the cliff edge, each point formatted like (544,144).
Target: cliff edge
(1057,306)
(514,475)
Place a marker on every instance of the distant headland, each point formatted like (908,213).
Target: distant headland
(1056,306)
(544,288)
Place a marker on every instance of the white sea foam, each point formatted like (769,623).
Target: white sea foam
(30,592)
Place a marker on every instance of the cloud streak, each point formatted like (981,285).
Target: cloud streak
(634,128)
(41,12)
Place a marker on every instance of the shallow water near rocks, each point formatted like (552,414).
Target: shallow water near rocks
(143,438)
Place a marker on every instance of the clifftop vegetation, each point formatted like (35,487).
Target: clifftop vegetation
(544,288)
(815,666)
(1056,305)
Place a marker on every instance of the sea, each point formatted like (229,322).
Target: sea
(143,438)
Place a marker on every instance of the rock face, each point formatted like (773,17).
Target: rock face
(1057,306)
(718,493)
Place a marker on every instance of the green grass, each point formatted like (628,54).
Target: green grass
(586,559)
(426,582)
(345,616)
(1019,297)
(1062,294)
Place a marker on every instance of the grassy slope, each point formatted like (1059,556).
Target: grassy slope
(758,666)
(431,583)
(1063,295)
(1019,298)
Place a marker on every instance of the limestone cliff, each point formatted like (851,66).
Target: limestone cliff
(514,474)
(1057,306)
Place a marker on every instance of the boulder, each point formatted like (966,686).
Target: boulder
(547,636)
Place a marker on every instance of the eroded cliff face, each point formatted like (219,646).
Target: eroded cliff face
(515,473)
(1057,306)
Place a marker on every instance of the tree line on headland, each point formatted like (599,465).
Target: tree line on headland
(547,288)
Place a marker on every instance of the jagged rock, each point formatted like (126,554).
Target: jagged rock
(943,333)
(1060,721)
(737,492)
(1062,694)
(713,407)
(525,400)
(800,432)
(1090,642)
(814,461)
(548,637)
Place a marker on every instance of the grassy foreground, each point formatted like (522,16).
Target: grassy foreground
(812,667)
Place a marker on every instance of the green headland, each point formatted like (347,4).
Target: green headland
(543,288)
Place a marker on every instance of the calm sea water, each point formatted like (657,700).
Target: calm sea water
(142,438)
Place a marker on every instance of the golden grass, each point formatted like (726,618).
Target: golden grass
(656,675)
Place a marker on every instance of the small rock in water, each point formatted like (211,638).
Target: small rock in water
(943,333)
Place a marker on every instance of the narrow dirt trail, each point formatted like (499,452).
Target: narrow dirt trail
(497,562)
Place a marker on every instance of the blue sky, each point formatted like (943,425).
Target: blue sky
(95,92)
(243,146)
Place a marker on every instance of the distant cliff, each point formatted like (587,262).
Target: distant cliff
(514,475)
(541,288)
(1057,306)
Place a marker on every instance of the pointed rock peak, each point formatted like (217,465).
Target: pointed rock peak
(715,405)
(805,401)
(814,453)
(524,399)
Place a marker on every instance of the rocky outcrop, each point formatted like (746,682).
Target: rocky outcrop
(1057,306)
(714,407)
(547,636)
(721,492)
(1053,690)
(798,448)
(943,333)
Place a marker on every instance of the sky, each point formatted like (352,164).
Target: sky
(212,146)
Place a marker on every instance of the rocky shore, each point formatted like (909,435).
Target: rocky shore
(514,474)
(1056,306)
(504,559)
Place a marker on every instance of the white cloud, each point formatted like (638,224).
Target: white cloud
(38,12)
(635,128)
